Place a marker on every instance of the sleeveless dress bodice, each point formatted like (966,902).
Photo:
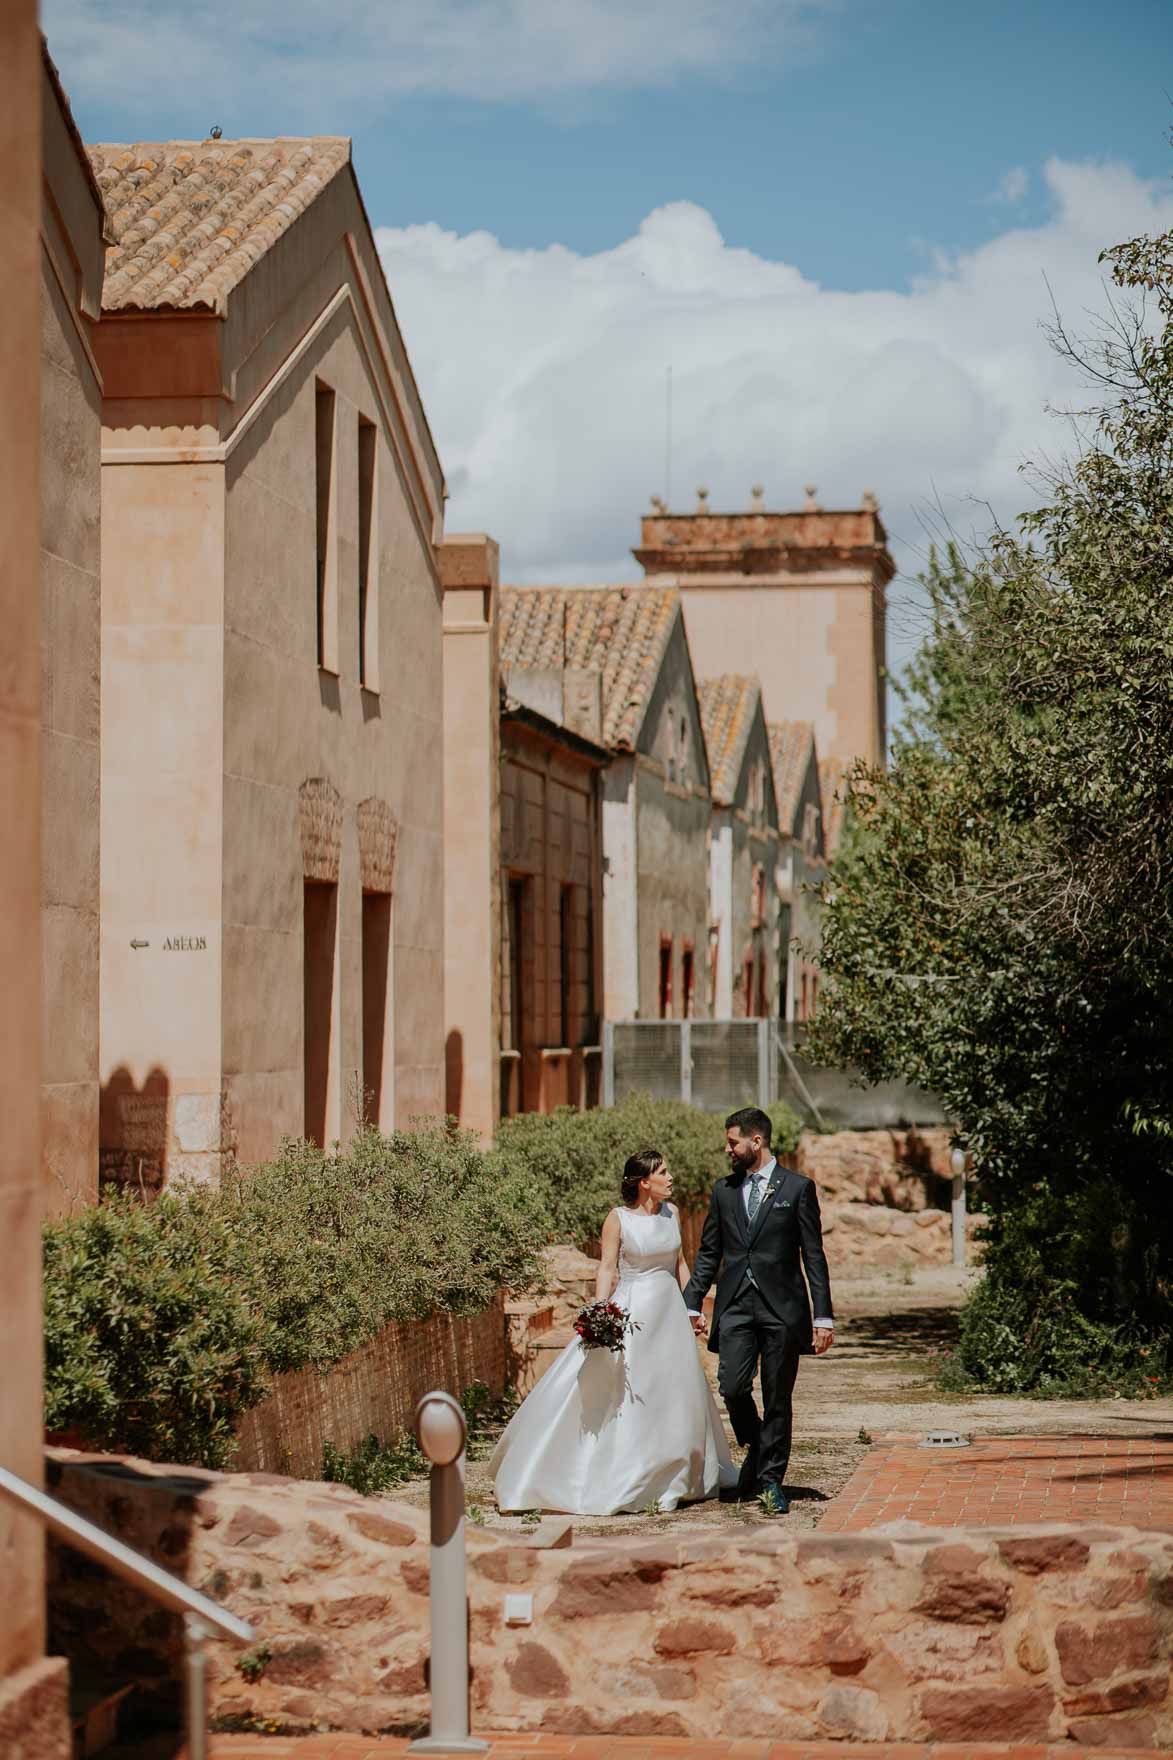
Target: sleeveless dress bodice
(649,1246)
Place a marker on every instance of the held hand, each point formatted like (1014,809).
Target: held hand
(699,1324)
(824,1339)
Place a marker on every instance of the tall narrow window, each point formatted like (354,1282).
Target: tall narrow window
(322,1084)
(368,556)
(517,952)
(565,962)
(377,1061)
(326,535)
(687,980)
(665,977)
(747,977)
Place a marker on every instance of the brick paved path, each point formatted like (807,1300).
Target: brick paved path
(539,1747)
(1000,1481)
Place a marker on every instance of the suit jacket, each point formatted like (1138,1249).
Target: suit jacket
(784,1240)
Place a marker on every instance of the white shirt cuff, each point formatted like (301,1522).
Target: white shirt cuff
(828,1325)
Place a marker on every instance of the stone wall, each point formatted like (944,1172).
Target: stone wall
(374,1389)
(908,1634)
(903,1169)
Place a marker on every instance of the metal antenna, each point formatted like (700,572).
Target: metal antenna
(668,439)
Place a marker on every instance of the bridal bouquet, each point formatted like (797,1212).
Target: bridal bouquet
(604,1326)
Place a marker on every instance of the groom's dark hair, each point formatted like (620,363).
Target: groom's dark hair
(751,1121)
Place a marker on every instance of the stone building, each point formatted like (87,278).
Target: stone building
(643,710)
(800,597)
(271,751)
(52,228)
(72,253)
(744,950)
(802,853)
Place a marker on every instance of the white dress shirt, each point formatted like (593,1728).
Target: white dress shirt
(761,1179)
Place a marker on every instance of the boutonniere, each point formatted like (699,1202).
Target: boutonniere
(770,1190)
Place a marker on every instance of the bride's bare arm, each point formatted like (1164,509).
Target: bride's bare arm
(682,1271)
(608,1274)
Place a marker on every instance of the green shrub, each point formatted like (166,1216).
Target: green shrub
(154,1342)
(164,1322)
(573,1161)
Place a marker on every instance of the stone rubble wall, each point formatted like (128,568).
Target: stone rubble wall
(906,1634)
(375,1389)
(897,1168)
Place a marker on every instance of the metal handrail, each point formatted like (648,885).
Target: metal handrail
(203,1618)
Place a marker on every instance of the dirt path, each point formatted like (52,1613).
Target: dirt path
(877,1381)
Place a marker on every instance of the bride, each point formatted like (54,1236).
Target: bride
(605,1432)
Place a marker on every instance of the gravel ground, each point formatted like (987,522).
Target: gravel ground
(877,1381)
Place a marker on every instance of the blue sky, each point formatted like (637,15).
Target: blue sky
(851,138)
(841,223)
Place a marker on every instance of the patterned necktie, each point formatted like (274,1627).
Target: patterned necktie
(755,1195)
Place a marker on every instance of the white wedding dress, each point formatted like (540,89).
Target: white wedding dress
(605,1432)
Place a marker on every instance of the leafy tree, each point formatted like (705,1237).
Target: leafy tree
(999,925)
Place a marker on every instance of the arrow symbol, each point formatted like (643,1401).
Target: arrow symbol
(140,944)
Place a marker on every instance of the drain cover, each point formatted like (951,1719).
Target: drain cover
(945,1439)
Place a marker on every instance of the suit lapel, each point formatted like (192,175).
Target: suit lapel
(736,1199)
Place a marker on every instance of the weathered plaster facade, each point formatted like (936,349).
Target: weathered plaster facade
(801,862)
(33,121)
(72,255)
(797,597)
(745,953)
(272,769)
(472,832)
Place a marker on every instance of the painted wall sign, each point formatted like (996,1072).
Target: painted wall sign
(185,944)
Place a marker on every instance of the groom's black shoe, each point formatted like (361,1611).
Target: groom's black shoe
(747,1479)
(773,1499)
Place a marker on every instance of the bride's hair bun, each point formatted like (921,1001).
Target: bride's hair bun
(638,1167)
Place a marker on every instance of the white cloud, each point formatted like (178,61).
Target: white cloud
(350,55)
(543,372)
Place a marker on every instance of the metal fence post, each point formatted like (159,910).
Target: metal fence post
(763,1027)
(442,1431)
(608,1094)
(686,1062)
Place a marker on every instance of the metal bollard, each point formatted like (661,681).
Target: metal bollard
(441,1429)
(959,1162)
(195,1638)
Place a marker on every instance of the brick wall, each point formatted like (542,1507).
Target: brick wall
(374,1389)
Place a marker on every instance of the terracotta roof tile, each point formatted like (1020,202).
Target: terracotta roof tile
(622,632)
(791,743)
(832,776)
(728,705)
(190,218)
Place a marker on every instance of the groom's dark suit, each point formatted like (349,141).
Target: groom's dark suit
(762,1308)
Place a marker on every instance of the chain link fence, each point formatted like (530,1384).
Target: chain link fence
(720,1065)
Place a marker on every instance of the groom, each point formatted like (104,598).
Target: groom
(763,1220)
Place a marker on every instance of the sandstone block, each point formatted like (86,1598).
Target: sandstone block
(651,1680)
(1128,1695)
(621,1586)
(381,1529)
(1114,1732)
(1031,1652)
(536,1673)
(1035,1553)
(969,1599)
(416,1575)
(853,1712)
(249,1525)
(987,1714)
(302,1662)
(1109,1592)
(930,1652)
(694,1636)
(509,1564)
(577,1720)
(1113,1646)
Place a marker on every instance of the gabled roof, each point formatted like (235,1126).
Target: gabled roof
(791,746)
(728,705)
(190,218)
(622,632)
(832,775)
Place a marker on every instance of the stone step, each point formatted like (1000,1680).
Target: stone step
(93,1714)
